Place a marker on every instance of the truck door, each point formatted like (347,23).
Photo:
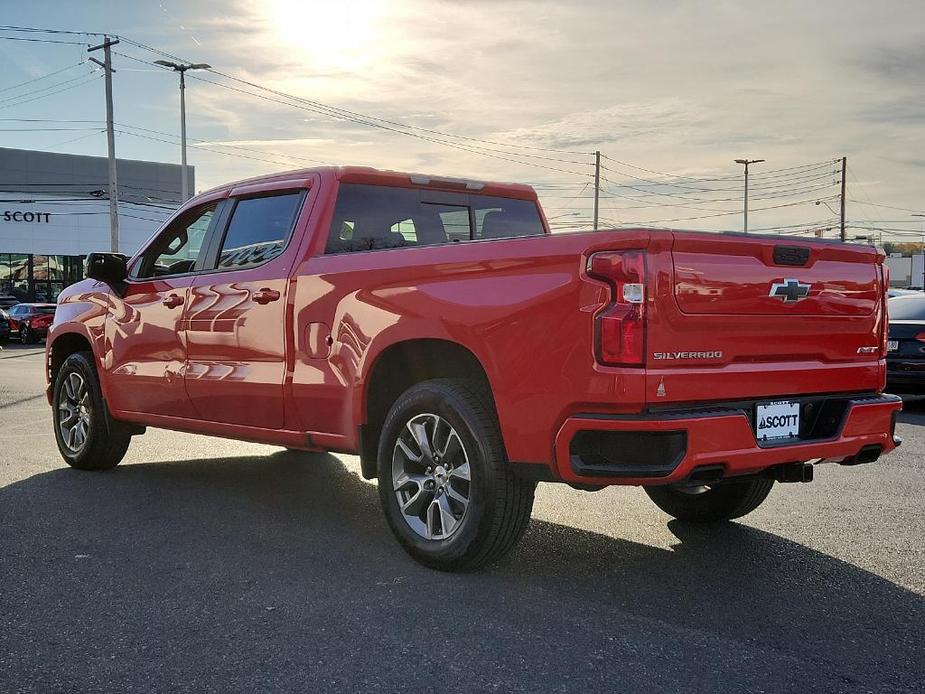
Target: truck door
(236,317)
(145,330)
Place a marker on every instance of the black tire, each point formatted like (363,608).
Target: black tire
(499,503)
(26,336)
(718,503)
(106,440)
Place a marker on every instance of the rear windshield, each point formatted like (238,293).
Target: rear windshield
(377,217)
(907,308)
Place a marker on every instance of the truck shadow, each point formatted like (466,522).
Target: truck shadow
(255,572)
(913,410)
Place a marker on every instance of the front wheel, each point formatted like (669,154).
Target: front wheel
(26,335)
(702,504)
(445,486)
(88,438)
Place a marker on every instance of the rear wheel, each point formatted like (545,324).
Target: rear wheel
(445,486)
(88,438)
(714,503)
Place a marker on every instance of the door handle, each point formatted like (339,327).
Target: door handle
(172,300)
(265,296)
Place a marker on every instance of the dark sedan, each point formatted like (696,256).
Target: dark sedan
(905,359)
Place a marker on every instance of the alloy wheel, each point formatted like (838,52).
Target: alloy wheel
(431,476)
(74,412)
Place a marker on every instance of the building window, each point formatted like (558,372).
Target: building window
(38,277)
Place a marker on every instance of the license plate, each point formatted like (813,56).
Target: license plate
(892,345)
(777,420)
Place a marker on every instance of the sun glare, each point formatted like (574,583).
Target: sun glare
(333,35)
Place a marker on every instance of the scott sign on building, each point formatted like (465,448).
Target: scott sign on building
(20,216)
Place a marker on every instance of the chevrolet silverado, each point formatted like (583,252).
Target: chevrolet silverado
(434,327)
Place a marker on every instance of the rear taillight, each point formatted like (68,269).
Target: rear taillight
(885,327)
(920,337)
(620,327)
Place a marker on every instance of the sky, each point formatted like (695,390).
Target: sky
(523,90)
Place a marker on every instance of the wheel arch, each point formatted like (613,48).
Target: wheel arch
(63,345)
(400,366)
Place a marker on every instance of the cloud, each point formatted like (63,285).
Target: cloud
(678,87)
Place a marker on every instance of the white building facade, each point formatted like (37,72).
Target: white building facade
(54,210)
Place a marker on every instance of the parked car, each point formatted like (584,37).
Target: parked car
(895,291)
(30,322)
(905,359)
(4,327)
(7,301)
(438,330)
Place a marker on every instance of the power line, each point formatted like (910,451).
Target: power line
(23,38)
(371,121)
(890,207)
(472,149)
(36,30)
(724,178)
(39,130)
(204,149)
(802,177)
(736,212)
(43,96)
(218,144)
(67,142)
(357,114)
(47,120)
(46,76)
(45,89)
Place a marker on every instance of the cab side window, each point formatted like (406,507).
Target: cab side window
(177,248)
(371,218)
(259,230)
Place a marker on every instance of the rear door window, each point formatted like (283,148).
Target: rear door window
(370,217)
(259,230)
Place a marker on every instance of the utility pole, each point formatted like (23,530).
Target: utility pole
(182,68)
(746,162)
(110,142)
(844,171)
(597,185)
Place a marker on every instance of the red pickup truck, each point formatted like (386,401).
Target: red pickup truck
(435,327)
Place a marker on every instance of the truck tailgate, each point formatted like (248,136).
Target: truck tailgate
(789,317)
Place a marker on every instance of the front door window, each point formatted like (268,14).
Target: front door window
(176,250)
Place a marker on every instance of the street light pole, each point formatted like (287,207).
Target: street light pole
(182,68)
(745,210)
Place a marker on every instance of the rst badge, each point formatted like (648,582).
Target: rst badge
(789,290)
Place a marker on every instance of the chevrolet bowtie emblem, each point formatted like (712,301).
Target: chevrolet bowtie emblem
(790,290)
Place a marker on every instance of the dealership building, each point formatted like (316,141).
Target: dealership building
(54,210)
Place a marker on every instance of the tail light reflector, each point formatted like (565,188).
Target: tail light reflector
(885,326)
(620,327)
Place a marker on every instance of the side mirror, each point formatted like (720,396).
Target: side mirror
(111,268)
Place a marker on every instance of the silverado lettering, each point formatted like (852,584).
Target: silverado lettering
(435,328)
(687,355)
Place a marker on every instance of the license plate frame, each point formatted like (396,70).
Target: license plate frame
(777,420)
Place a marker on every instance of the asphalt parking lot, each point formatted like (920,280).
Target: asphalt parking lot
(208,565)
